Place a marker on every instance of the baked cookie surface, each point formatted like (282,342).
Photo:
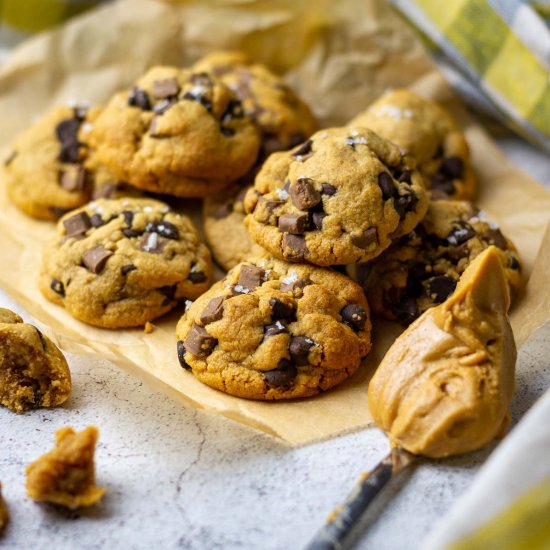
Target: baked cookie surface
(176,132)
(226,235)
(283,118)
(274,330)
(33,372)
(422,269)
(425,130)
(123,262)
(339,198)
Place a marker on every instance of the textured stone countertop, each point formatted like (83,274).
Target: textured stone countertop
(181,478)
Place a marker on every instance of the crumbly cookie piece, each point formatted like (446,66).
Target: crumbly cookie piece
(45,174)
(224,229)
(425,130)
(274,330)
(422,269)
(33,372)
(123,262)
(283,118)
(66,475)
(176,132)
(339,198)
(4,512)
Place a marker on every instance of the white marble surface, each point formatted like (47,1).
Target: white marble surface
(181,478)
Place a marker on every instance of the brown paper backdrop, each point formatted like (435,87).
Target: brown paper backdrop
(339,56)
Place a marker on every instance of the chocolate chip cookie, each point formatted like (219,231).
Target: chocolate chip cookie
(224,229)
(33,372)
(274,330)
(425,130)
(422,269)
(341,197)
(45,174)
(121,263)
(283,118)
(176,132)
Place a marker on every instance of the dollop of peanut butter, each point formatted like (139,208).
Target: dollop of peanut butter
(445,386)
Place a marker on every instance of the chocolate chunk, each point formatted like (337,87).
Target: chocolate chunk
(199,342)
(96,258)
(167,87)
(514,264)
(442,186)
(496,237)
(452,167)
(250,277)
(280,310)
(299,349)
(282,376)
(163,106)
(125,269)
(291,286)
(151,242)
(195,276)
(67,130)
(405,203)
(10,158)
(317,218)
(271,206)
(272,330)
(405,177)
(139,98)
(303,194)
(96,220)
(57,286)
(461,233)
(73,179)
(213,310)
(303,150)
(58,212)
(441,287)
(70,152)
(352,141)
(181,355)
(105,191)
(328,189)
(201,79)
(293,223)
(354,316)
(199,95)
(80,112)
(385,182)
(456,253)
(296,244)
(128,216)
(227,132)
(223,211)
(164,228)
(365,239)
(169,293)
(131,233)
(406,311)
(419,271)
(77,225)
(233,110)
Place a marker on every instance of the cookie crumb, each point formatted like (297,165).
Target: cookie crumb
(149,327)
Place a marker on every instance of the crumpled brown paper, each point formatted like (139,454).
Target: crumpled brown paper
(339,56)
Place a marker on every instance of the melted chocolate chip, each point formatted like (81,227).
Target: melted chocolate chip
(199,342)
(514,264)
(233,110)
(272,330)
(405,177)
(169,293)
(131,233)
(442,186)
(404,204)
(164,228)
(139,98)
(317,219)
(496,237)
(456,253)
(125,269)
(385,182)
(213,310)
(57,286)
(303,194)
(197,277)
(354,316)
(365,239)
(96,258)
(452,167)
(441,287)
(70,152)
(67,130)
(303,151)
(406,310)
(299,349)
(200,97)
(461,233)
(293,223)
(77,225)
(280,310)
(328,189)
(282,376)
(181,355)
(96,220)
(128,216)
(227,132)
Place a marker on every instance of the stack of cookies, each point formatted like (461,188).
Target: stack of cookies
(288,211)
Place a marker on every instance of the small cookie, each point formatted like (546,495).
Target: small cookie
(33,372)
(121,263)
(224,229)
(66,475)
(422,269)
(339,198)
(283,118)
(45,175)
(176,132)
(425,130)
(274,330)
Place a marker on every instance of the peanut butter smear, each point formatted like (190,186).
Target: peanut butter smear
(445,386)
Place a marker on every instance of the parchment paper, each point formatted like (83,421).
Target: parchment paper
(339,56)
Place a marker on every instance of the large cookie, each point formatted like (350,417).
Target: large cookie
(121,263)
(339,198)
(33,372)
(176,132)
(422,269)
(274,330)
(425,130)
(226,235)
(283,118)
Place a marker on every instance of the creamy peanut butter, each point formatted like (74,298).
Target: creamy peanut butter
(445,386)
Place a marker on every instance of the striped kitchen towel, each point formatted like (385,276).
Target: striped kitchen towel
(496,53)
